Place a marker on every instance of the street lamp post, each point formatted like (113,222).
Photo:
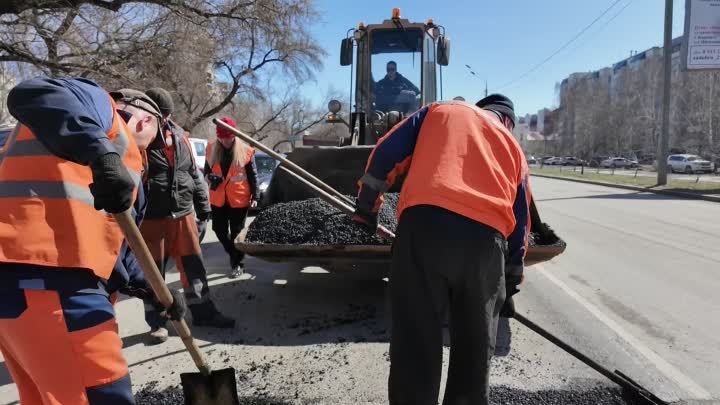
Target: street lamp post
(478,77)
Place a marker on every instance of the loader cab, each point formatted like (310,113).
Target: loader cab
(396,70)
(419,51)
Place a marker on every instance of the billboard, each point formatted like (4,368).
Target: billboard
(701,42)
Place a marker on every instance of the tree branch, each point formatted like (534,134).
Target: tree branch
(312,124)
(273,117)
(18,6)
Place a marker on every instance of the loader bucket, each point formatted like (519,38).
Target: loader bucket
(340,167)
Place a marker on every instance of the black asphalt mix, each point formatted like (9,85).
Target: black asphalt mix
(315,222)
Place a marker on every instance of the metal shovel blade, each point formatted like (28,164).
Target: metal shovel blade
(218,388)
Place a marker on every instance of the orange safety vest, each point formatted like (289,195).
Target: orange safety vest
(467,162)
(235,187)
(47,216)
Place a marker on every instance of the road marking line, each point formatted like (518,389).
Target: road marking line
(661,364)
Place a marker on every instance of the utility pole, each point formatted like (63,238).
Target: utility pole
(664,141)
(485,87)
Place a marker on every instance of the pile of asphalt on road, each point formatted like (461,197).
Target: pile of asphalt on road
(315,222)
(499,395)
(151,395)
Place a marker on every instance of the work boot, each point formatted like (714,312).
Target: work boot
(205,314)
(236,271)
(157,336)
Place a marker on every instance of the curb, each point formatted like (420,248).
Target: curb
(681,194)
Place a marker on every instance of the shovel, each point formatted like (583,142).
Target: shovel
(206,387)
(631,389)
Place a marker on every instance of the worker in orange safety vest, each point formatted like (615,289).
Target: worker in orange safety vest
(73,160)
(232,177)
(461,240)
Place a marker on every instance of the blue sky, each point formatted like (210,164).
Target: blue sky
(501,40)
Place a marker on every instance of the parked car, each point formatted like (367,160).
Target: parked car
(553,161)
(198,150)
(688,164)
(4,135)
(266,167)
(572,161)
(531,160)
(617,163)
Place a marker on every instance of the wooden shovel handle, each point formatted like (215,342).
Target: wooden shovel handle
(157,283)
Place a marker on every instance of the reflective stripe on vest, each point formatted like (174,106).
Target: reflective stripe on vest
(235,188)
(48,216)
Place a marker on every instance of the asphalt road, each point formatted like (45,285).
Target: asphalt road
(636,290)
(638,285)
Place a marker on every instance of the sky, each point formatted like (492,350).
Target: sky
(502,40)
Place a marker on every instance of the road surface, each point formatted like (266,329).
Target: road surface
(637,289)
(645,268)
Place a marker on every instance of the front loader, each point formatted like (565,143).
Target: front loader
(419,51)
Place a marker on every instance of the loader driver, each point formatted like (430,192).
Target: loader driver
(394,92)
(460,244)
(71,162)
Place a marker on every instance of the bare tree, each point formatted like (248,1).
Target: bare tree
(7,81)
(206,52)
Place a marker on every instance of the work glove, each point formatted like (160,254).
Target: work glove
(203,216)
(112,186)
(367,220)
(201,226)
(215,181)
(508,308)
(177,309)
(513,278)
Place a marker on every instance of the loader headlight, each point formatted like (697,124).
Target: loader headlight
(334,106)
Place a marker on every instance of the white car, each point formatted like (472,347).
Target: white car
(688,164)
(554,161)
(617,162)
(198,150)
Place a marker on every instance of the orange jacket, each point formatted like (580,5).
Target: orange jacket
(48,217)
(456,157)
(235,188)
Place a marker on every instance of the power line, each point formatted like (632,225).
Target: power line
(565,45)
(604,25)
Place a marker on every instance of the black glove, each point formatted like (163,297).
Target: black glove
(513,278)
(203,216)
(508,308)
(177,309)
(215,181)
(367,220)
(112,186)
(201,226)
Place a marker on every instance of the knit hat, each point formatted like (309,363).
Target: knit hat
(222,132)
(499,103)
(138,99)
(163,99)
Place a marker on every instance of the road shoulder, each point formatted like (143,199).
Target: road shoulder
(679,194)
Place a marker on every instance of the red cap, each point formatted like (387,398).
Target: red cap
(222,132)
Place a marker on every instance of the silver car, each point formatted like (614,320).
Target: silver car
(617,163)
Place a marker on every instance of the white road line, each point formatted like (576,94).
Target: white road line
(670,371)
